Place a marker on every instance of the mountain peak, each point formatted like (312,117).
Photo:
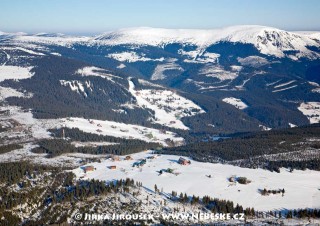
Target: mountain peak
(268,40)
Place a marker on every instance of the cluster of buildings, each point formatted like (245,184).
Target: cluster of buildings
(140,163)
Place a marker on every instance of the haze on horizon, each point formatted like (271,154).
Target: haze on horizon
(97,16)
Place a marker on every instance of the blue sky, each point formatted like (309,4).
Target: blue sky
(96,16)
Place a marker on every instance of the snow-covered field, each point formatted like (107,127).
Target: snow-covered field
(122,130)
(30,128)
(25,154)
(121,66)
(317,89)
(131,57)
(264,128)
(253,61)
(95,71)
(197,56)
(170,65)
(6,92)
(169,107)
(29,51)
(14,72)
(219,73)
(301,187)
(311,110)
(238,103)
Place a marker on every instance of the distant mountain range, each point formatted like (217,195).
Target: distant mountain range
(233,79)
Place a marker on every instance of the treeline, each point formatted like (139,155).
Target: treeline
(9,147)
(292,214)
(75,134)
(250,145)
(214,204)
(50,99)
(13,172)
(312,164)
(56,147)
(82,190)
(303,213)
(20,174)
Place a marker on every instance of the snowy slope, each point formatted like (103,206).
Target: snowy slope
(131,57)
(301,187)
(15,72)
(267,40)
(238,103)
(122,130)
(168,106)
(32,128)
(311,110)
(95,71)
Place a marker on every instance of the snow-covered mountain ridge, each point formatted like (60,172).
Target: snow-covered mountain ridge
(268,40)
(234,63)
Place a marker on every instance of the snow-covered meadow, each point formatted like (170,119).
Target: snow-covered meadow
(302,188)
(161,69)
(218,72)
(168,106)
(122,130)
(32,128)
(95,71)
(15,72)
(311,110)
(238,103)
(131,57)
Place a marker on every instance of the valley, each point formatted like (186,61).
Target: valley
(127,118)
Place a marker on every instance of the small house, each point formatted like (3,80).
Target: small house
(88,169)
(112,167)
(183,161)
(99,125)
(115,158)
(128,157)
